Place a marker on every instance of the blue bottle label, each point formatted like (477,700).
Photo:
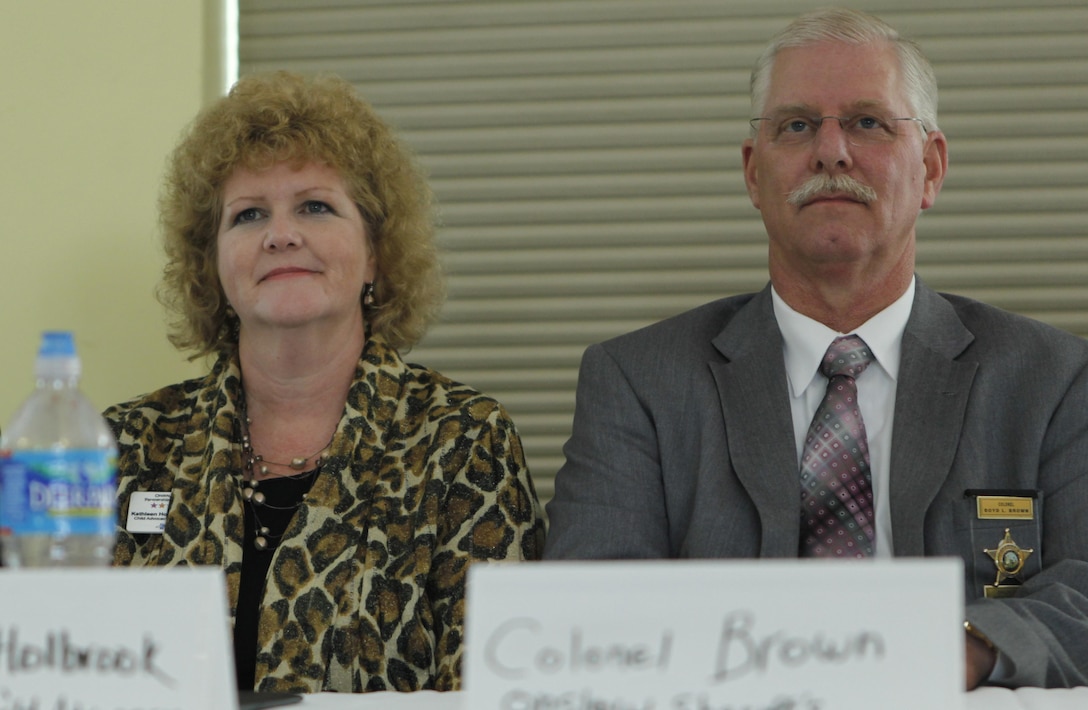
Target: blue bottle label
(72,492)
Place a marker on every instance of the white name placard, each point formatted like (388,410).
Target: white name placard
(115,639)
(730,635)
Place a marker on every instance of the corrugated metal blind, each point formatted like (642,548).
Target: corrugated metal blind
(585,154)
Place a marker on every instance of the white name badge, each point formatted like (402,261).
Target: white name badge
(147,511)
(115,638)
(730,635)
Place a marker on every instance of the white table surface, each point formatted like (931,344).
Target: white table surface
(982,699)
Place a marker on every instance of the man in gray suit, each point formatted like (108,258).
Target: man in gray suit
(970,424)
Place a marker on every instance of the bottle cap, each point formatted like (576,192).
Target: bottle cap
(57,358)
(57,343)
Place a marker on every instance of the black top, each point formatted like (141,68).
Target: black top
(282,499)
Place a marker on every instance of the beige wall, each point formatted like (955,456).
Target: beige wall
(94,96)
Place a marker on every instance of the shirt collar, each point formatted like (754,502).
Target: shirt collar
(805,340)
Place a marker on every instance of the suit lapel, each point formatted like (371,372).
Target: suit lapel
(755,405)
(931,398)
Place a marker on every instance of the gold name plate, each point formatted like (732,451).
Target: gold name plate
(1005,508)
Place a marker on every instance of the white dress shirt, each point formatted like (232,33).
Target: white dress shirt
(804,342)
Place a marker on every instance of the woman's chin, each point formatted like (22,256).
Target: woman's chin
(290,315)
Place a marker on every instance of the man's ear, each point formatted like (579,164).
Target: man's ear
(935,158)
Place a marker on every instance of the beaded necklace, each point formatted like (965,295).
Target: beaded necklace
(253,464)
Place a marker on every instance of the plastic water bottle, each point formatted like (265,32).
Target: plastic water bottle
(58,470)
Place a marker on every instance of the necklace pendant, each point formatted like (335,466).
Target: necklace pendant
(299,462)
(260,542)
(257,498)
(247,493)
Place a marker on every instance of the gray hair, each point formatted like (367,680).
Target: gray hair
(851,27)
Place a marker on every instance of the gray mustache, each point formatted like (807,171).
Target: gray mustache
(818,185)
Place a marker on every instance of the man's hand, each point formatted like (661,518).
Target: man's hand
(981,658)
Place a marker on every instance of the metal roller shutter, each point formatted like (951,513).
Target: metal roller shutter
(585,155)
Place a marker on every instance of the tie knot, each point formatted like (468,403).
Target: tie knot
(848,355)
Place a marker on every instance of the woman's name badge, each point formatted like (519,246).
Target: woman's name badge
(147,511)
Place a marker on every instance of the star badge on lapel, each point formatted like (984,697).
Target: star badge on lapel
(1009,558)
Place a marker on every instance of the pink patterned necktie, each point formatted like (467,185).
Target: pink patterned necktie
(836,492)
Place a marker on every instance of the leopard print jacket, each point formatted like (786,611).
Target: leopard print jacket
(366,590)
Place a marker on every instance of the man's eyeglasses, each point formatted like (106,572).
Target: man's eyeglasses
(862,129)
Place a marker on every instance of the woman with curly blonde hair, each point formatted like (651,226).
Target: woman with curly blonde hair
(284,118)
(343,490)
